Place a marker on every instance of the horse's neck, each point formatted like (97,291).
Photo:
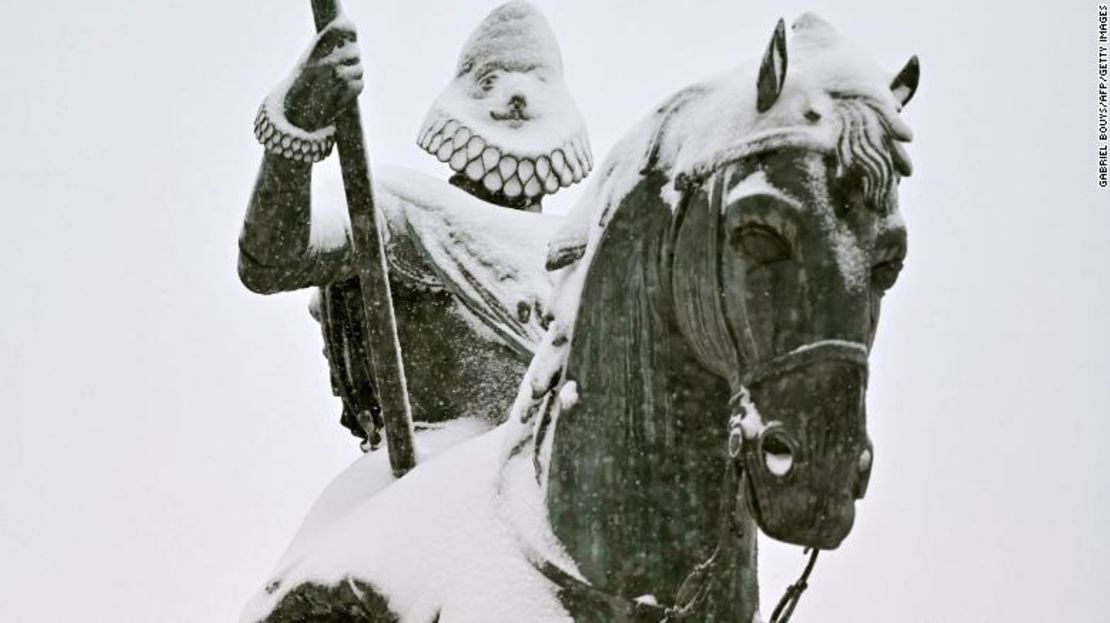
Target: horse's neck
(634,489)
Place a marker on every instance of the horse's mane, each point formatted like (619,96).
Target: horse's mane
(868,148)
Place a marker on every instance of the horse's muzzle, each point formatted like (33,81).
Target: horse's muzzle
(810,460)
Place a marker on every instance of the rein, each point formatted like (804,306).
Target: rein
(695,587)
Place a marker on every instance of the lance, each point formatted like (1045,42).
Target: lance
(373,272)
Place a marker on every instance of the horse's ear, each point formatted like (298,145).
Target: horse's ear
(904,84)
(773,71)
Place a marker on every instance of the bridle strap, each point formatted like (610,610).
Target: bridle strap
(820,350)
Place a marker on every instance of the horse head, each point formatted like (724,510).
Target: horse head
(722,285)
(784,244)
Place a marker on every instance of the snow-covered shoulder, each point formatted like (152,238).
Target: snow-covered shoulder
(490,257)
(439,237)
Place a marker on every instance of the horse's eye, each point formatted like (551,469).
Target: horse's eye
(885,274)
(762,244)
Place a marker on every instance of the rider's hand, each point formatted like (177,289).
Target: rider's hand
(327,80)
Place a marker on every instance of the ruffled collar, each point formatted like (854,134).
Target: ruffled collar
(503,170)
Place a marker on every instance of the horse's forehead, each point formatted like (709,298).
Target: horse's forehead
(706,126)
(822,68)
(848,237)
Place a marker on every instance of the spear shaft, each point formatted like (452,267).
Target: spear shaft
(373,272)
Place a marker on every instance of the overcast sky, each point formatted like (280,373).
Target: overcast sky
(164,430)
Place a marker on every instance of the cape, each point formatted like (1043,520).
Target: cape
(468,284)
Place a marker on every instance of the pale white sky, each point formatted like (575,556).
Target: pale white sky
(164,430)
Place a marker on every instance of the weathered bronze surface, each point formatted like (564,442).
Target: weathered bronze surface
(709,378)
(764,283)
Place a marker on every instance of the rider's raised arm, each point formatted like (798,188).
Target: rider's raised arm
(294,124)
(275,249)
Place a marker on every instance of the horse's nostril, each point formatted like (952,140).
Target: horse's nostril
(865,460)
(777,455)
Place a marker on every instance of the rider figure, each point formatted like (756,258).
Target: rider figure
(511,133)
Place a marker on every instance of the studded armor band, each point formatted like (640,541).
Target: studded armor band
(282,138)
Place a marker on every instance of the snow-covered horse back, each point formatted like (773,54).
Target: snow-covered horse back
(704,373)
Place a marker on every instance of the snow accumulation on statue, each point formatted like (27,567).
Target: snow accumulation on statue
(464,536)
(467,274)
(507,121)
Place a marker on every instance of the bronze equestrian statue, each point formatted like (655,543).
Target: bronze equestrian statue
(701,376)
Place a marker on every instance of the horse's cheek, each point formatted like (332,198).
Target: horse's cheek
(759,303)
(789,294)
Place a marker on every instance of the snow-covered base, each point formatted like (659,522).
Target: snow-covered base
(437,542)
